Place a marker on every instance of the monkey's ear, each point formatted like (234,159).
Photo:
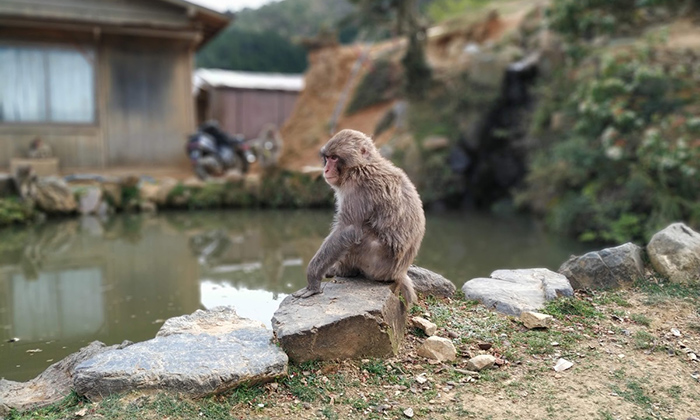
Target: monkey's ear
(364,151)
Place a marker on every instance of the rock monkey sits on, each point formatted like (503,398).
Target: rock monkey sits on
(379,222)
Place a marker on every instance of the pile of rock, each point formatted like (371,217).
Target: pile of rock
(674,253)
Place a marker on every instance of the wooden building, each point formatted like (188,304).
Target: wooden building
(244,102)
(106,83)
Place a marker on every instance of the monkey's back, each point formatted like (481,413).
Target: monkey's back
(397,217)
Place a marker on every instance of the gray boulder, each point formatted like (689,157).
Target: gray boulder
(352,318)
(427,282)
(205,353)
(675,253)
(515,291)
(606,269)
(51,386)
(52,195)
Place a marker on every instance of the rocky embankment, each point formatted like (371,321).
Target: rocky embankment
(91,194)
(212,352)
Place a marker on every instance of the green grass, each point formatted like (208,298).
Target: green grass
(572,307)
(633,393)
(608,297)
(641,319)
(644,341)
(663,291)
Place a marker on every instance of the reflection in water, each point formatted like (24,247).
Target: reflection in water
(253,304)
(64,284)
(58,304)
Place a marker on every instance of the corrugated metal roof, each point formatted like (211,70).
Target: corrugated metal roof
(204,78)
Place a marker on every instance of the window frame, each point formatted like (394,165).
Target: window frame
(76,47)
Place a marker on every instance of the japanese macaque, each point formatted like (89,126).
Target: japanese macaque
(39,150)
(379,221)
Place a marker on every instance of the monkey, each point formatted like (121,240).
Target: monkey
(39,150)
(378,224)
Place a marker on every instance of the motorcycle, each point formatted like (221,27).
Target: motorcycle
(212,152)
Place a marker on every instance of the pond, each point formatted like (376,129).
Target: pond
(66,283)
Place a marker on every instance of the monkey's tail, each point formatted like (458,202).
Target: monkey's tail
(407,291)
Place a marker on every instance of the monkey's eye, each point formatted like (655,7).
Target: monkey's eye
(334,158)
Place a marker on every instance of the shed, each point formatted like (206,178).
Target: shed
(244,102)
(105,83)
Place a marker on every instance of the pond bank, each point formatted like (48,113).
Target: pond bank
(26,199)
(574,338)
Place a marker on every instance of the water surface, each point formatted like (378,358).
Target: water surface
(66,283)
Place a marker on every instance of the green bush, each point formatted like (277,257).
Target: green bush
(587,19)
(13,210)
(628,164)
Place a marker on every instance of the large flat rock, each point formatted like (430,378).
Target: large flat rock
(515,291)
(352,318)
(201,354)
(51,386)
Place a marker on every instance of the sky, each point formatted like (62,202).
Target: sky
(233,5)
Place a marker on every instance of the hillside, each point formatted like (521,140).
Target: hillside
(503,126)
(267,39)
(335,73)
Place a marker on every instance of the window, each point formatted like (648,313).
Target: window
(43,84)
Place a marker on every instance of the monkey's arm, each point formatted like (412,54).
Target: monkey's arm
(332,249)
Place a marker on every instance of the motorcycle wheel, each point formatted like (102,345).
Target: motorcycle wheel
(201,172)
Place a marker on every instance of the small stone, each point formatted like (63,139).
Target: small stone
(675,332)
(480,362)
(408,412)
(533,320)
(562,365)
(438,348)
(484,346)
(467,372)
(426,326)
(421,379)
(382,408)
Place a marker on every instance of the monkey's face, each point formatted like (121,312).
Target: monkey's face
(331,169)
(345,152)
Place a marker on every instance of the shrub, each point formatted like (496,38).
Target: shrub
(628,164)
(14,210)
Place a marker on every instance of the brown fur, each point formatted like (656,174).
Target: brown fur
(379,221)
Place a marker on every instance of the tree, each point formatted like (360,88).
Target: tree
(403,15)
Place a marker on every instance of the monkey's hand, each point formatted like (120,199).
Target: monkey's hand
(307,292)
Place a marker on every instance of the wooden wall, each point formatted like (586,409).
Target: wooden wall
(148,103)
(144,108)
(247,111)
